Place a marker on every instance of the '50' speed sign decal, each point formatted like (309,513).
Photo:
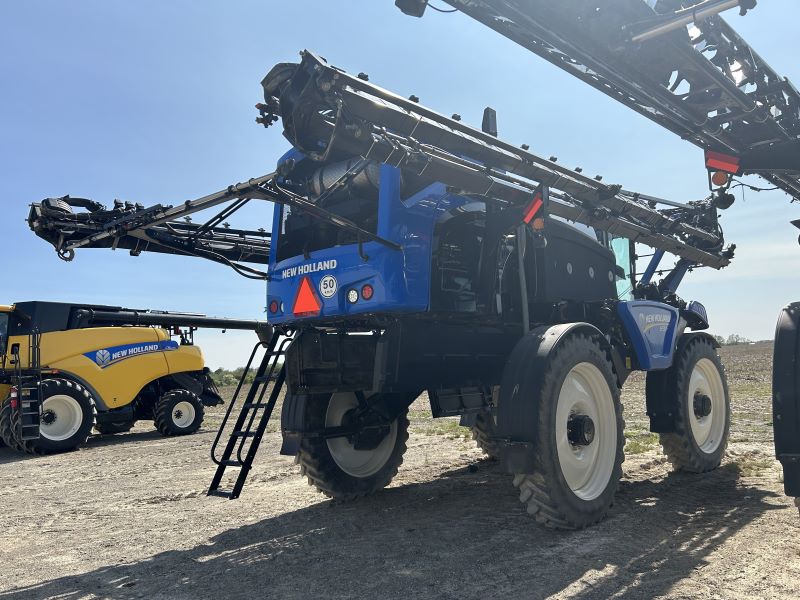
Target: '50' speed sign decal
(327,286)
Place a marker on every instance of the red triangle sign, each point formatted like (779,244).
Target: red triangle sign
(306,303)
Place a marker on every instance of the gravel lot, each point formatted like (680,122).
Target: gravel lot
(127,517)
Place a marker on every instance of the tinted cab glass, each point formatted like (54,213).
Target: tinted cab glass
(3,333)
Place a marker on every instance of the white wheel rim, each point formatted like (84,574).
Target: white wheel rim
(707,430)
(587,469)
(356,463)
(183,414)
(61,418)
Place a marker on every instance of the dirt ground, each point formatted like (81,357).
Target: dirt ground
(127,517)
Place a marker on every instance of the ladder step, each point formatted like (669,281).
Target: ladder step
(230,462)
(244,434)
(220,493)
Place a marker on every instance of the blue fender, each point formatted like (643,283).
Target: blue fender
(660,407)
(653,328)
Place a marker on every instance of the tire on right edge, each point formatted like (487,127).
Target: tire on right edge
(576,472)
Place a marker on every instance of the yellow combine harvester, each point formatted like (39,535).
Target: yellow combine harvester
(66,368)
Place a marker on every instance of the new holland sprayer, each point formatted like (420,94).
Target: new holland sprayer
(411,253)
(680,64)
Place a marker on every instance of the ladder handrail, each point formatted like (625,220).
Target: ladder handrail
(234,398)
(271,359)
(243,427)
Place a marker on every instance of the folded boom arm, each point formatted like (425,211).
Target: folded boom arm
(328,114)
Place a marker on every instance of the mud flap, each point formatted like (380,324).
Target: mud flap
(517,415)
(786,396)
(293,422)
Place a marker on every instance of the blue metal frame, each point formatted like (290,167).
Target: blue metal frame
(651,267)
(653,329)
(400,279)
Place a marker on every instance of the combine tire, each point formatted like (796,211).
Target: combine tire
(578,457)
(3,443)
(178,412)
(109,428)
(7,427)
(695,385)
(67,417)
(482,433)
(334,466)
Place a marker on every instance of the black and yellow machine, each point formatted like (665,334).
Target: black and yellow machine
(67,368)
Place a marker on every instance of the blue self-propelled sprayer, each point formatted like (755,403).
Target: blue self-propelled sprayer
(409,254)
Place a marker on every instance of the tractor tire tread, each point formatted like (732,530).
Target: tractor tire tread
(317,465)
(7,427)
(34,447)
(162,413)
(482,433)
(677,445)
(542,500)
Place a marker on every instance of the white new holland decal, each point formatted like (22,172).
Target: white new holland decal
(323,265)
(650,321)
(106,357)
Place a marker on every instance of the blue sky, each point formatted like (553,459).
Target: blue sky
(152,101)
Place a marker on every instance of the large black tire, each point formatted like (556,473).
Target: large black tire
(483,432)
(178,412)
(698,442)
(3,443)
(3,435)
(578,373)
(321,460)
(111,428)
(67,417)
(7,426)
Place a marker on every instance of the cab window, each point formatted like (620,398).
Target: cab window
(3,333)
(622,254)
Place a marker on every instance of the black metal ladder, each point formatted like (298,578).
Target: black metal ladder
(254,416)
(29,412)
(28,383)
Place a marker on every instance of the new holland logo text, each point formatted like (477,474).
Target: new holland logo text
(110,356)
(651,321)
(323,265)
(657,318)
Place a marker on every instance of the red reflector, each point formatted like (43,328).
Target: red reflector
(306,303)
(722,162)
(14,402)
(533,208)
(367,291)
(273,306)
